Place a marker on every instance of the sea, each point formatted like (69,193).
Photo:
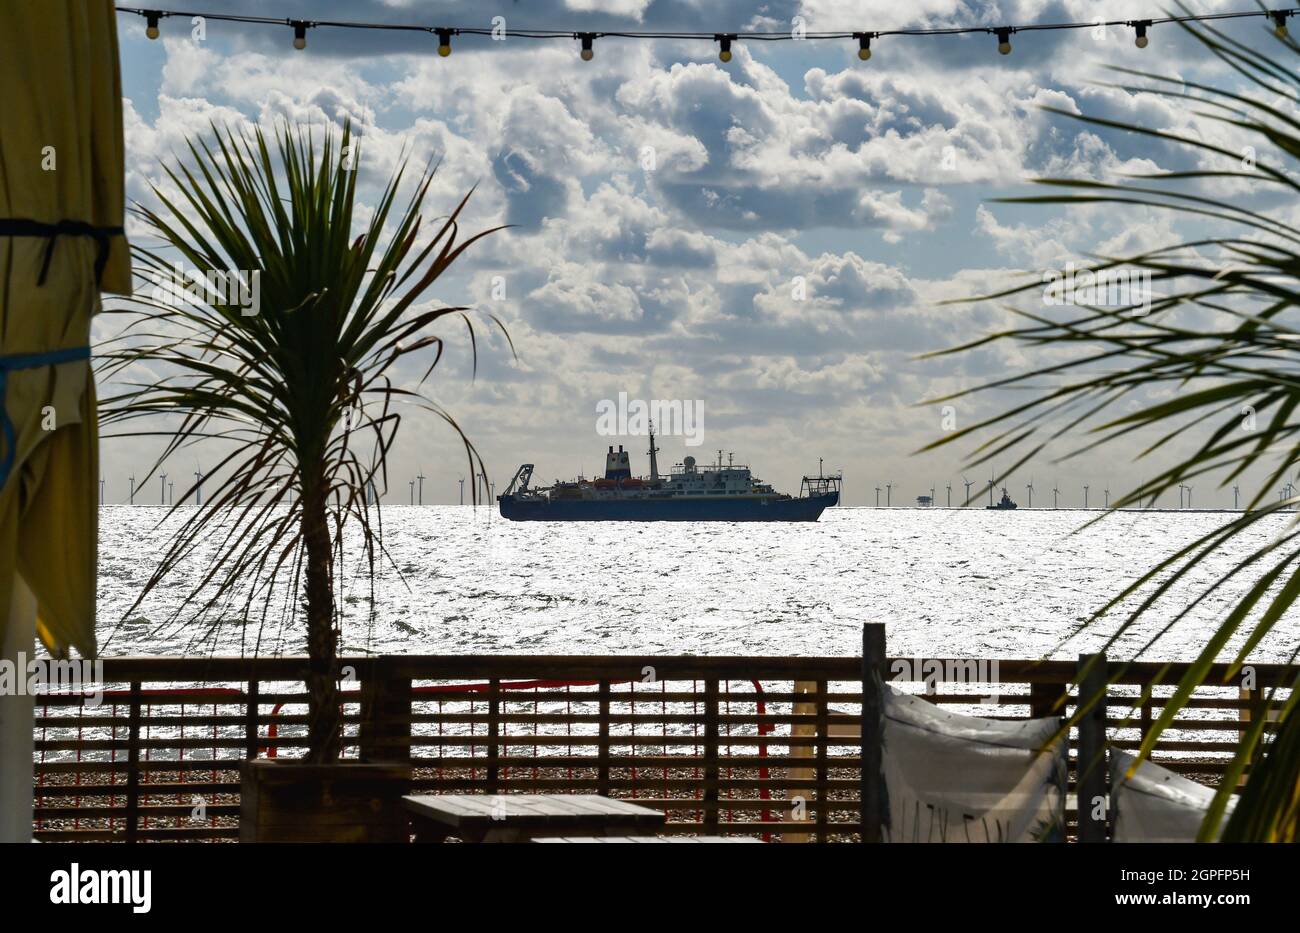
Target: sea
(945,582)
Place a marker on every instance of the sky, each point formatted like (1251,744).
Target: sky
(773,238)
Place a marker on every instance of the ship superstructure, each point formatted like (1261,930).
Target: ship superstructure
(691,491)
(1005,504)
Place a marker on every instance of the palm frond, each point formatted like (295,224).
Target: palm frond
(303,393)
(1232,385)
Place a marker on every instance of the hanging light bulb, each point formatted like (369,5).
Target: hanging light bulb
(864,44)
(151,23)
(1279,25)
(724,46)
(587,38)
(1141,41)
(1004,41)
(299,34)
(444,42)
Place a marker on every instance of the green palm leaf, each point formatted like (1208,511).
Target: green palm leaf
(301,394)
(1114,358)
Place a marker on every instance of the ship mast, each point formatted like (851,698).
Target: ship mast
(654,461)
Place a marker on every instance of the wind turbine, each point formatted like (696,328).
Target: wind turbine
(163,500)
(1234,497)
(1108,496)
(412,485)
(932,495)
(198,487)
(1189,497)
(1085,496)
(1056,492)
(877,497)
(950,495)
(171,492)
(1030,486)
(969,484)
(889,491)
(462,490)
(1181,487)
(420,477)
(992,479)
(101,490)
(131,500)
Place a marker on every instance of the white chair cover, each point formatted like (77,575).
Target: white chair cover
(1155,804)
(955,778)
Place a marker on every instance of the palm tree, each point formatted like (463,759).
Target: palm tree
(1245,279)
(301,392)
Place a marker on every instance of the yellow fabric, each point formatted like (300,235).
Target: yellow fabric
(61,158)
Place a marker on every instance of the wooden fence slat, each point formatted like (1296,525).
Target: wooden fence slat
(823,729)
(603,756)
(873,676)
(494,733)
(133,762)
(691,747)
(1047,699)
(250,719)
(1091,761)
(711,700)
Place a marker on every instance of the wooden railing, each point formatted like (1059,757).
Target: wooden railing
(757,745)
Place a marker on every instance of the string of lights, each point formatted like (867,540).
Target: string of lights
(724,40)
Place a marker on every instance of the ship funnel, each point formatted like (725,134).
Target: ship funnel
(617,465)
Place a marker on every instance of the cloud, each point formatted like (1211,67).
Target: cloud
(665,205)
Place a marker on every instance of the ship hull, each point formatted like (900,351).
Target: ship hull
(676,509)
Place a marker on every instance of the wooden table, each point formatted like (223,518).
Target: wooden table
(649,838)
(521,817)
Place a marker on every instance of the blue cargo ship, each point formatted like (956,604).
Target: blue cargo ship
(689,493)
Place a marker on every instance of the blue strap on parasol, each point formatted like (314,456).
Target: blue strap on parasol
(20,226)
(26,361)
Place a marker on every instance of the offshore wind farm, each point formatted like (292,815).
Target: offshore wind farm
(888,495)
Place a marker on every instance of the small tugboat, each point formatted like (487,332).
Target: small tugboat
(1005,504)
(720,492)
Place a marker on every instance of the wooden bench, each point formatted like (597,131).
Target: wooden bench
(521,817)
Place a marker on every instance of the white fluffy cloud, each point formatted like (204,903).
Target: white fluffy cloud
(666,208)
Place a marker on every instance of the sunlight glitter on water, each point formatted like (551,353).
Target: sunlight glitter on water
(961,582)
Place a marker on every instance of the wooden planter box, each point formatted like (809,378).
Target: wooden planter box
(287,801)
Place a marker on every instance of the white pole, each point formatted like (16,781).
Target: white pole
(17,709)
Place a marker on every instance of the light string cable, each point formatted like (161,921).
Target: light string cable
(724,40)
